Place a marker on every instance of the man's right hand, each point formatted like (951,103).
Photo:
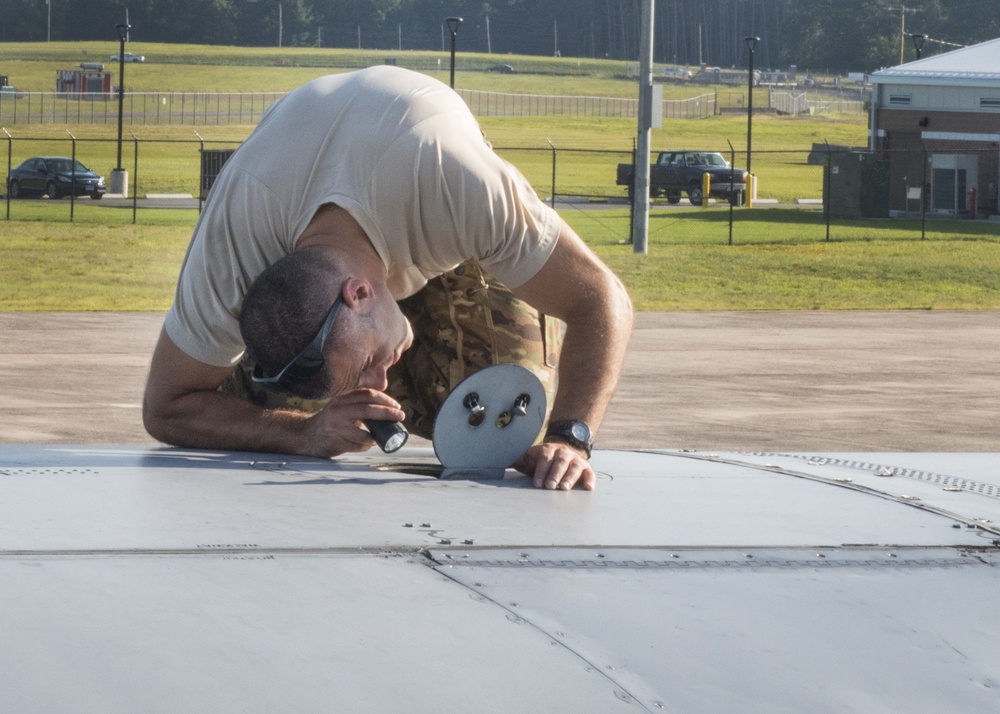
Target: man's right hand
(184,407)
(337,428)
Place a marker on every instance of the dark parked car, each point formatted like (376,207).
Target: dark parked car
(501,68)
(53,176)
(677,171)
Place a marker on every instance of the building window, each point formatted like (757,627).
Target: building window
(989,102)
(899,99)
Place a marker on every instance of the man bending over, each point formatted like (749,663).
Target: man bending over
(359,255)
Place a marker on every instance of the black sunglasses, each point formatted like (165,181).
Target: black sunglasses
(306,363)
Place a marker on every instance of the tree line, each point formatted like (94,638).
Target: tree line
(821,35)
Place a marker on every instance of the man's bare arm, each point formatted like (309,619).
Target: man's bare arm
(183,407)
(577,287)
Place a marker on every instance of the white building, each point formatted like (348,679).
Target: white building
(938,121)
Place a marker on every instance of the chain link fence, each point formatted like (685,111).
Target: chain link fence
(817,193)
(138,108)
(246,108)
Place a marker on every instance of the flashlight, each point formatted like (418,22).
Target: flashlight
(390,435)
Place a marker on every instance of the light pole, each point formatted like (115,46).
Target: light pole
(918,42)
(122,33)
(453,23)
(751,45)
(119,178)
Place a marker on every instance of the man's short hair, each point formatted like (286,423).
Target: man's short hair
(285,308)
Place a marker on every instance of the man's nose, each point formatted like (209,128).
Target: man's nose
(376,378)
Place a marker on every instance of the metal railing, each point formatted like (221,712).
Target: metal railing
(789,103)
(500,104)
(246,108)
(138,108)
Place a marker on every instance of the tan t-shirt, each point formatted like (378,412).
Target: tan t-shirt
(402,154)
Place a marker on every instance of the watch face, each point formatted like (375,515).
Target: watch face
(580,432)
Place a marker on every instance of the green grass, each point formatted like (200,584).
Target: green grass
(780,259)
(103,262)
(99,262)
(173,168)
(31,66)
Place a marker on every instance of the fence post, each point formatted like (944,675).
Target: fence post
(827,188)
(10,151)
(72,177)
(553,173)
(924,194)
(201,159)
(631,196)
(732,193)
(135,173)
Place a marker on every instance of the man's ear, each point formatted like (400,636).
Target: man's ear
(356,292)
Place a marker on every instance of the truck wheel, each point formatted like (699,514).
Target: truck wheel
(674,197)
(695,195)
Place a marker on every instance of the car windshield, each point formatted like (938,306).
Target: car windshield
(712,160)
(65,166)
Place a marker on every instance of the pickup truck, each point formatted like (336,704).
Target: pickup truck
(677,172)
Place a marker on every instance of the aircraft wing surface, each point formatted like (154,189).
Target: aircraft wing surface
(171,580)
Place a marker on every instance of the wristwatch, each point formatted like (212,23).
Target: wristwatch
(575,433)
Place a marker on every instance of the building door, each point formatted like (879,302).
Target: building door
(952,175)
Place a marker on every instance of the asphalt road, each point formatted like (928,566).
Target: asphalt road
(799,381)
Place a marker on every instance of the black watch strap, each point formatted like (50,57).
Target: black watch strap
(575,433)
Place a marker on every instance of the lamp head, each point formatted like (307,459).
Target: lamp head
(453,23)
(918,41)
(751,42)
(123,31)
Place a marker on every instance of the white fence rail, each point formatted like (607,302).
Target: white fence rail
(246,108)
(224,108)
(789,103)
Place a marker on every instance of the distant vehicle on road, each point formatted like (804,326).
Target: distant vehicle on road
(55,177)
(129,57)
(678,73)
(501,68)
(681,171)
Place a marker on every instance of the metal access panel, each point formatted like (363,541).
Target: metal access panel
(856,185)
(212,161)
(165,580)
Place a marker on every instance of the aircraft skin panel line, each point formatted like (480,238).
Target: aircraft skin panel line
(172,580)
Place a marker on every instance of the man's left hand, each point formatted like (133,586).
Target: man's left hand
(554,465)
